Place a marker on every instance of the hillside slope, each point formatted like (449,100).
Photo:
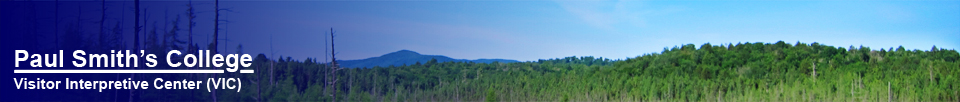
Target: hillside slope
(407,57)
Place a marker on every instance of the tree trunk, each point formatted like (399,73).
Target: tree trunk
(814,71)
(116,92)
(136,35)
(334,66)
(216,32)
(889,93)
(103,16)
(190,24)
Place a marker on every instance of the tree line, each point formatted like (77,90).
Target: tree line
(727,72)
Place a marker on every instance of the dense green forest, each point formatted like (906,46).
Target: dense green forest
(727,72)
(746,72)
(730,72)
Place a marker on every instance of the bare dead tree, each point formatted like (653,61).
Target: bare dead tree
(190,16)
(145,35)
(226,32)
(103,16)
(326,56)
(814,71)
(136,35)
(216,32)
(257,83)
(117,27)
(334,67)
(216,26)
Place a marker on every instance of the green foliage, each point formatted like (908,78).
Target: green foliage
(566,98)
(491,96)
(726,72)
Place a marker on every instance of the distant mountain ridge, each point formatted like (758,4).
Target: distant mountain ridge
(407,57)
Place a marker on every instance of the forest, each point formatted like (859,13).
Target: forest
(727,72)
(751,71)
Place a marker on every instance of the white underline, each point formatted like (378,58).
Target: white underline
(120,71)
(246,71)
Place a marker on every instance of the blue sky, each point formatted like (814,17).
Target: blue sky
(531,30)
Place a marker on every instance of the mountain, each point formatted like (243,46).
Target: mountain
(407,57)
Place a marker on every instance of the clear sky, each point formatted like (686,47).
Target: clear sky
(531,30)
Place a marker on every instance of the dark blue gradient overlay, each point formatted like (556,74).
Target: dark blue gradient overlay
(44,27)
